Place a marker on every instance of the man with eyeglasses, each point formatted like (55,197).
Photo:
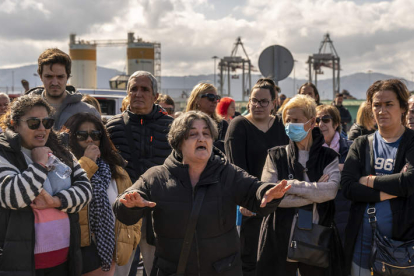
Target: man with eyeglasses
(140,134)
(54,68)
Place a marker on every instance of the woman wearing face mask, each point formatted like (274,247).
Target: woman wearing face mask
(204,98)
(313,172)
(246,144)
(106,243)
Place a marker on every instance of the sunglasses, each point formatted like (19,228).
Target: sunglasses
(34,123)
(211,97)
(325,119)
(83,135)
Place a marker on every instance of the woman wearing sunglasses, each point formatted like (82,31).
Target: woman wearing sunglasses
(247,142)
(107,244)
(38,211)
(328,120)
(204,98)
(313,172)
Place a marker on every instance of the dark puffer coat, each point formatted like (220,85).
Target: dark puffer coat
(149,133)
(216,247)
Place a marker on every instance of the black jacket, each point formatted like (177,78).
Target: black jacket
(358,130)
(17,226)
(345,115)
(149,132)
(276,227)
(342,205)
(399,184)
(216,248)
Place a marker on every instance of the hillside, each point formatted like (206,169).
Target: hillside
(356,84)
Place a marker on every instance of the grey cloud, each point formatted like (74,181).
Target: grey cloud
(63,17)
(155,10)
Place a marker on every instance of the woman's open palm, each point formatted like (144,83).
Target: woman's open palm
(134,199)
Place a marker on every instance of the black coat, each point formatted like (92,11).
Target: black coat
(149,133)
(342,205)
(216,247)
(358,130)
(399,184)
(17,226)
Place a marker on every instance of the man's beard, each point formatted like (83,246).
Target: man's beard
(55,96)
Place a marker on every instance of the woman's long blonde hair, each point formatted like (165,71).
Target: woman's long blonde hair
(364,116)
(199,89)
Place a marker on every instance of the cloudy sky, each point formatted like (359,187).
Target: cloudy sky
(368,34)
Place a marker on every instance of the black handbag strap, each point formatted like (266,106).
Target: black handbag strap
(371,206)
(189,233)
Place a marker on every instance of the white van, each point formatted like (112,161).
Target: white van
(109,100)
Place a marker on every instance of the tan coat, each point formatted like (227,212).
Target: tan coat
(126,237)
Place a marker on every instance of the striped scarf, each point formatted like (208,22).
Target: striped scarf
(101,217)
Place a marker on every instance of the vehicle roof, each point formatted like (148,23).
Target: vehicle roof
(108,96)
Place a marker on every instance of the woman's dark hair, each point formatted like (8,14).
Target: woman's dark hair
(315,90)
(268,84)
(394,85)
(19,107)
(108,151)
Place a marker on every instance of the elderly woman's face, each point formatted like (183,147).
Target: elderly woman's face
(199,144)
(296,115)
(33,138)
(326,125)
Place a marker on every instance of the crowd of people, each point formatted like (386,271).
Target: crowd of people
(84,196)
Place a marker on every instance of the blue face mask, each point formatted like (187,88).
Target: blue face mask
(296,131)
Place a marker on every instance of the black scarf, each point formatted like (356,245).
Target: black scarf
(101,217)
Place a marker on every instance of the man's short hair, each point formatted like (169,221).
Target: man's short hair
(153,80)
(54,56)
(339,95)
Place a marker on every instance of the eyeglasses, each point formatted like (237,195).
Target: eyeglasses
(211,97)
(83,135)
(262,103)
(34,123)
(325,119)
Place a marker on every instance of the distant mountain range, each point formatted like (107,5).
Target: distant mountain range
(356,84)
